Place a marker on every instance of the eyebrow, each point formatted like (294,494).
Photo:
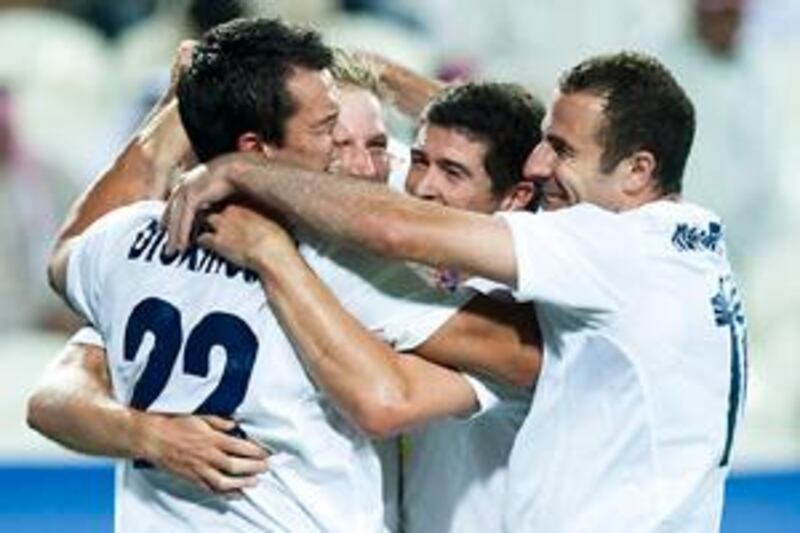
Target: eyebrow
(559,144)
(380,138)
(332,116)
(454,165)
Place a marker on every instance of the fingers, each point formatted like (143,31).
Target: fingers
(178,218)
(209,242)
(232,445)
(221,483)
(244,448)
(219,423)
(239,466)
(185,50)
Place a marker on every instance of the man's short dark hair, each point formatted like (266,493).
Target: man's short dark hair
(646,109)
(504,116)
(237,82)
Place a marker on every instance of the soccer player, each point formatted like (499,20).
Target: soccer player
(323,473)
(644,367)
(471,147)
(469,154)
(363,141)
(73,403)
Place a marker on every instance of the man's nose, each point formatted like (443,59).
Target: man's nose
(357,162)
(540,162)
(427,186)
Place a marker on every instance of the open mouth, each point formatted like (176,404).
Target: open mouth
(552,196)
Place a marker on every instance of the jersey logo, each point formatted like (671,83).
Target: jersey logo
(729,313)
(689,238)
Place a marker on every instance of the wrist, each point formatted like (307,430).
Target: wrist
(140,439)
(274,262)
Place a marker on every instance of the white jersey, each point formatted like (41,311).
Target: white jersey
(194,333)
(455,471)
(643,378)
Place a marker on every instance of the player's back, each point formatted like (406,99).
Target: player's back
(193,333)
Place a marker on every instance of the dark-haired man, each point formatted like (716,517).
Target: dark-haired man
(643,379)
(262,87)
(471,147)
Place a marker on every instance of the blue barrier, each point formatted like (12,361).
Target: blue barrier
(79,498)
(56,497)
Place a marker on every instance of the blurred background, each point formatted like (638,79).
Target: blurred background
(76,76)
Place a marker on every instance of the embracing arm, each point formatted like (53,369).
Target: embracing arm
(140,172)
(355,211)
(74,391)
(72,405)
(409,91)
(382,392)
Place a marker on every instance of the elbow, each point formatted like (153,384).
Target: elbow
(52,278)
(386,234)
(37,412)
(56,267)
(380,418)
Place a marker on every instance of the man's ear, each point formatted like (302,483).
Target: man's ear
(640,173)
(252,142)
(518,197)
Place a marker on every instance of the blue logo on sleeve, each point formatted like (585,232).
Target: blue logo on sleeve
(690,238)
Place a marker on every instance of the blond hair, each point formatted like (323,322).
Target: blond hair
(358,71)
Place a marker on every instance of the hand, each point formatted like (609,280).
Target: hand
(198,189)
(197,449)
(245,237)
(181,61)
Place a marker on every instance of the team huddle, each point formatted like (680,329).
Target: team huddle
(523,329)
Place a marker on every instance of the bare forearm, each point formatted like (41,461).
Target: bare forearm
(386,222)
(140,172)
(351,365)
(410,92)
(73,406)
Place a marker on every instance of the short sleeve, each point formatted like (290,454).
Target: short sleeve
(92,255)
(488,398)
(87,335)
(575,258)
(388,298)
(85,268)
(418,321)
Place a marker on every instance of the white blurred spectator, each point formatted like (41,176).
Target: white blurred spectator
(733,165)
(744,151)
(28,211)
(534,41)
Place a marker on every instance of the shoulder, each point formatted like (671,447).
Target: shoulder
(128,217)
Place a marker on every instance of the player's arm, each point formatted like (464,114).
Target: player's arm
(407,90)
(358,212)
(72,405)
(382,393)
(140,172)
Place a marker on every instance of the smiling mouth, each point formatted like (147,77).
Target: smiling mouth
(552,196)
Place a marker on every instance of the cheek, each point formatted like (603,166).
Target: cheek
(413,178)
(381,164)
(464,196)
